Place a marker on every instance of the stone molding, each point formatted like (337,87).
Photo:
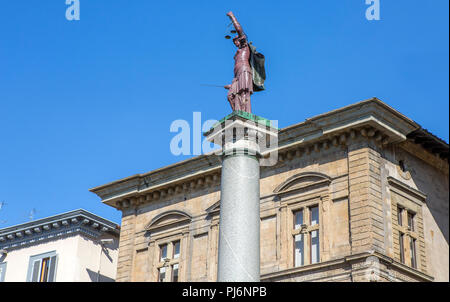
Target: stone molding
(355,269)
(55,227)
(371,120)
(288,186)
(400,187)
(182,217)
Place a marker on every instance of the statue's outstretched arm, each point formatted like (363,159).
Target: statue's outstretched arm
(236,24)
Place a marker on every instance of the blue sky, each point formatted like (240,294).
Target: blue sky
(87,102)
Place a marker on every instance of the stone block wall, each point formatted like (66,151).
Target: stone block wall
(357,211)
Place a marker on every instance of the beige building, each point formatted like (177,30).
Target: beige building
(360,193)
(76,246)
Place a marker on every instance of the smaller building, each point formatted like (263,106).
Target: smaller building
(76,246)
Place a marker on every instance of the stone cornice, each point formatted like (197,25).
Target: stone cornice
(54,227)
(362,110)
(371,120)
(430,142)
(183,169)
(348,259)
(420,197)
(434,159)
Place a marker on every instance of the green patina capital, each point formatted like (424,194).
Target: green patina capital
(238,114)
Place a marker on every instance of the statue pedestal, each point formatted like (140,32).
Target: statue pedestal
(242,137)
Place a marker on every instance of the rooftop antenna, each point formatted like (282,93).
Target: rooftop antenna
(33,211)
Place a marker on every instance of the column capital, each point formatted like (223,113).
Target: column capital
(243,134)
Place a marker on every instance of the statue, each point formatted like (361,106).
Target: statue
(249,73)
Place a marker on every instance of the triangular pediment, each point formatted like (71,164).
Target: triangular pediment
(303,181)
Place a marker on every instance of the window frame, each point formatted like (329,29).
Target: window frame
(172,270)
(170,260)
(3,266)
(400,215)
(161,248)
(408,235)
(413,252)
(306,233)
(310,233)
(411,201)
(401,240)
(174,244)
(302,258)
(411,220)
(295,212)
(310,209)
(52,266)
(159,273)
(317,256)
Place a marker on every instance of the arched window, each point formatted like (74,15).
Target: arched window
(302,195)
(168,234)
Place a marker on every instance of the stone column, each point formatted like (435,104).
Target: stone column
(239,216)
(241,140)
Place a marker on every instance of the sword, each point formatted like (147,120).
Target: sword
(211,85)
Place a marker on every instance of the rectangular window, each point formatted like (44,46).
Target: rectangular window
(413,252)
(411,221)
(163,252)
(407,222)
(176,249)
(399,216)
(2,271)
(299,250)
(402,249)
(175,273)
(315,247)
(42,268)
(162,274)
(314,215)
(298,219)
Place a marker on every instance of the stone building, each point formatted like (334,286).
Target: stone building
(76,246)
(360,193)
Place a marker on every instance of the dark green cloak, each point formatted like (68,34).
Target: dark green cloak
(257,61)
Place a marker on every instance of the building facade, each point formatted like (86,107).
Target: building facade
(77,246)
(358,194)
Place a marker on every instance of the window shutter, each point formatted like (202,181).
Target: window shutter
(51,274)
(35,273)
